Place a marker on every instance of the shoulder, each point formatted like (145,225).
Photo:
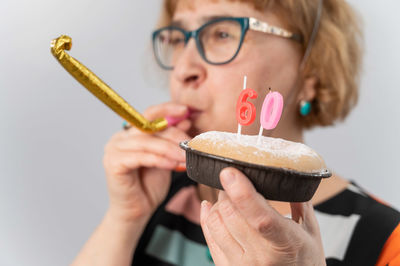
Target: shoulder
(363,225)
(390,254)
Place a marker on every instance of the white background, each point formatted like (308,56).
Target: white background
(52,131)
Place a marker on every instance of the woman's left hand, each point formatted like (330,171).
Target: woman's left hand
(241,228)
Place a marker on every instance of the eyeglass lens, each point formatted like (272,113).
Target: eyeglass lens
(218,43)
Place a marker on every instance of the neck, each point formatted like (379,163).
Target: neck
(292,134)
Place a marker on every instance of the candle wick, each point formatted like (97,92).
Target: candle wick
(259,135)
(239,125)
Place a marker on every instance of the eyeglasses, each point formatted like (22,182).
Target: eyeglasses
(218,41)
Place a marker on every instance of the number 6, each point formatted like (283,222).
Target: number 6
(246,111)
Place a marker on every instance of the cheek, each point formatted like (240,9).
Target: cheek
(225,105)
(223,111)
(273,65)
(173,91)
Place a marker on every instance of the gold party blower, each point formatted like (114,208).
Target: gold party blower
(104,93)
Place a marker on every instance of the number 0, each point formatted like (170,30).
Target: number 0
(271,110)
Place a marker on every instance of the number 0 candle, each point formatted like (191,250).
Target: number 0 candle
(271,112)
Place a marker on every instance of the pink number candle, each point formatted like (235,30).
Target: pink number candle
(271,111)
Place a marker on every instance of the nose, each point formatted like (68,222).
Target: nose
(190,69)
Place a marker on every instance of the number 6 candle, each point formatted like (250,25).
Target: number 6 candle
(271,111)
(245,111)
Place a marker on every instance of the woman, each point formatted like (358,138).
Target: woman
(311,55)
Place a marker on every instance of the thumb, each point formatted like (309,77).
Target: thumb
(303,214)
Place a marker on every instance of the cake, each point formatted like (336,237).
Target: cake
(279,169)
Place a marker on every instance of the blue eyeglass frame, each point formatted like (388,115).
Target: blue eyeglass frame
(246,23)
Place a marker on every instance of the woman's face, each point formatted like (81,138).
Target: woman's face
(212,90)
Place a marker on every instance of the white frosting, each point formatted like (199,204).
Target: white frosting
(275,146)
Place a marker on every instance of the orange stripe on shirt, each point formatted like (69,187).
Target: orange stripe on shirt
(390,254)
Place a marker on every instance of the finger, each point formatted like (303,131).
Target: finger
(222,196)
(127,162)
(184,125)
(220,235)
(149,160)
(166,109)
(258,213)
(173,134)
(180,168)
(235,222)
(303,214)
(155,177)
(297,209)
(174,111)
(218,256)
(151,144)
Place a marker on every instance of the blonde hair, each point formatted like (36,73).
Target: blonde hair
(335,57)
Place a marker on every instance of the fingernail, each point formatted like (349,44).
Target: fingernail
(228,177)
(203,209)
(182,108)
(183,155)
(181,167)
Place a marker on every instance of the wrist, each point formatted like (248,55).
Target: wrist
(126,220)
(131,229)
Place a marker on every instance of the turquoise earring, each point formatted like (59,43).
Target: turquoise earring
(305,108)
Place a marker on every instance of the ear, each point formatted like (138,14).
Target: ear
(308,90)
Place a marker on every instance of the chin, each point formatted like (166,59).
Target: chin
(198,128)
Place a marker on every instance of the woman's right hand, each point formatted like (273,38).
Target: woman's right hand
(138,165)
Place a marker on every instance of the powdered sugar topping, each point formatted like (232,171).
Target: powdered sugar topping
(276,146)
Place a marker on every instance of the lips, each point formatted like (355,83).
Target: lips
(194,113)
